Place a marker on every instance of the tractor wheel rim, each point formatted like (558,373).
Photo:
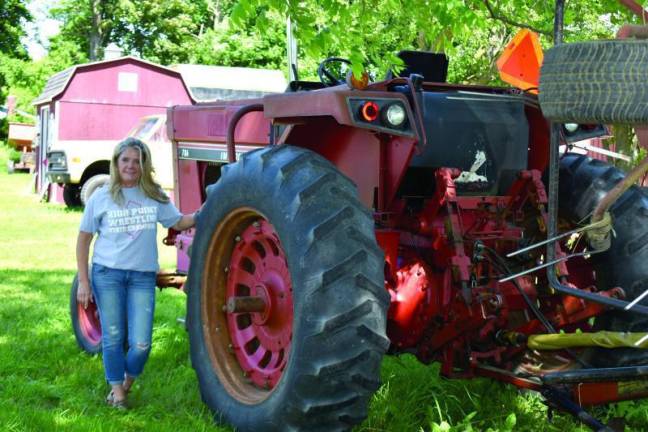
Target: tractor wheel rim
(249,348)
(89,323)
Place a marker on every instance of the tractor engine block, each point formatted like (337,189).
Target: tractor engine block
(447,303)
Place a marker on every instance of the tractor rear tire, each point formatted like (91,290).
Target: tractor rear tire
(284,224)
(596,82)
(91,185)
(85,322)
(583,183)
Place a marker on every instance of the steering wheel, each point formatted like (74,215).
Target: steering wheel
(332,77)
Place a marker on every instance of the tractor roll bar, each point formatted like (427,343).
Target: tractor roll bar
(231,128)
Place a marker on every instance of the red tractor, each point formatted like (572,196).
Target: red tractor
(398,218)
(404,217)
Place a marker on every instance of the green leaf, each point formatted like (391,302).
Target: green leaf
(239,13)
(441,427)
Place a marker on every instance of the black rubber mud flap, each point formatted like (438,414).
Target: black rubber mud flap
(339,300)
(583,183)
(596,82)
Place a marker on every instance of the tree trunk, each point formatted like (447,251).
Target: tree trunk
(95,31)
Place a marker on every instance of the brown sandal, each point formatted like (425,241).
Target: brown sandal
(119,404)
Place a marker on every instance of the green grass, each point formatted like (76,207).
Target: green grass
(47,383)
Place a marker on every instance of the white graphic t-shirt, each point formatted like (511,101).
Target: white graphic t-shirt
(127,235)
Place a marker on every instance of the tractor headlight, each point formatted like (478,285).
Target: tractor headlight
(395,115)
(384,114)
(571,127)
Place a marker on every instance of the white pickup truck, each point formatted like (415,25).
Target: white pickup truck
(83,168)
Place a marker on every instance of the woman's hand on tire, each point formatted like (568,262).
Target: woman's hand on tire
(84,295)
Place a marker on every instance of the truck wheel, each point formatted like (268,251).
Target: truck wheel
(85,322)
(284,243)
(583,183)
(596,82)
(71,195)
(91,185)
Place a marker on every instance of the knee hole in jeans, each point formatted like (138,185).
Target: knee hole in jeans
(112,336)
(142,346)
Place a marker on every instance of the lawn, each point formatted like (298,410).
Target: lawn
(47,383)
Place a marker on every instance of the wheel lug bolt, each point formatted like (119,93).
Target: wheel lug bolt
(237,239)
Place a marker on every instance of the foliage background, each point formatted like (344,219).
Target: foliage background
(251,33)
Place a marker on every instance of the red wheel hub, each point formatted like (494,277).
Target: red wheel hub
(259,298)
(89,323)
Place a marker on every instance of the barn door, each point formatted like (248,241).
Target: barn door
(43,145)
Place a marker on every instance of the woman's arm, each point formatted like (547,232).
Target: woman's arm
(84,294)
(186,221)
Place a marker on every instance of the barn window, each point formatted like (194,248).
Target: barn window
(127,82)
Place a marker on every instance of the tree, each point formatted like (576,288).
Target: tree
(87,24)
(152,29)
(172,31)
(13,14)
(161,31)
(471,32)
(226,45)
(26,78)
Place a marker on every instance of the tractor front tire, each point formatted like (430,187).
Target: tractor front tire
(285,226)
(596,82)
(85,322)
(583,183)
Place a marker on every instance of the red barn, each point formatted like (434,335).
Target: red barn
(85,110)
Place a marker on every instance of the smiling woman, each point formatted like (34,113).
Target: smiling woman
(128,166)
(124,214)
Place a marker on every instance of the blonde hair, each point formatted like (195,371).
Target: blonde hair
(146,183)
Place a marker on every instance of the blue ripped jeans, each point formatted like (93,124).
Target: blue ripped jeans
(124,296)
